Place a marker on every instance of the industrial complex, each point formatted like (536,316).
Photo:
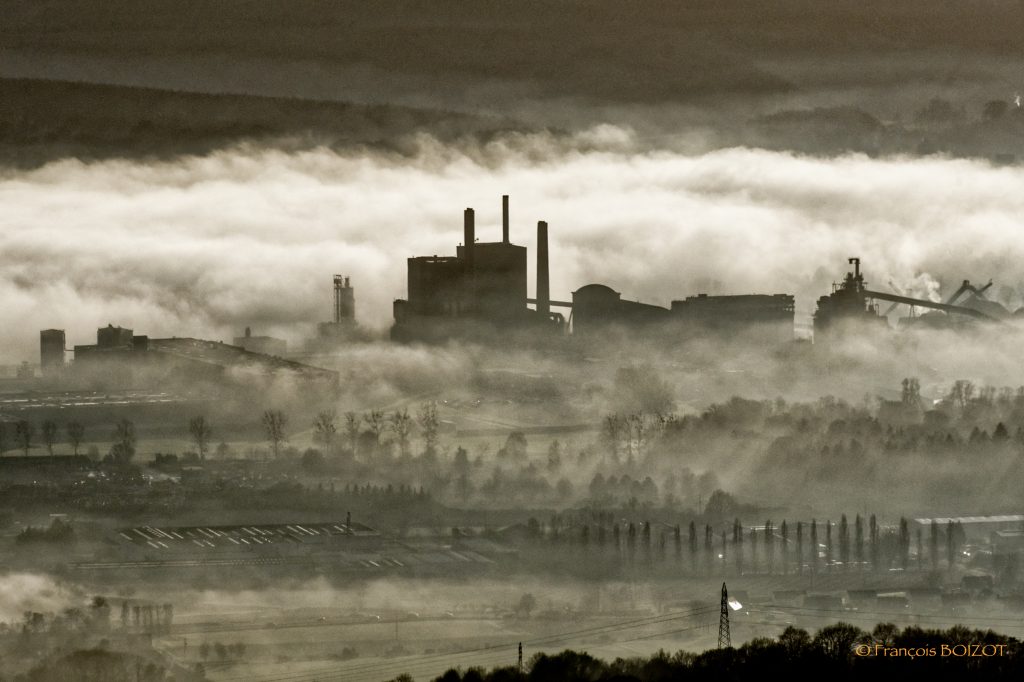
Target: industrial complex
(122,359)
(482,294)
(483,290)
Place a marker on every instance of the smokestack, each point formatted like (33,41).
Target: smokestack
(504,218)
(348,522)
(543,286)
(469,237)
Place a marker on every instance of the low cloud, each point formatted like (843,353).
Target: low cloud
(204,246)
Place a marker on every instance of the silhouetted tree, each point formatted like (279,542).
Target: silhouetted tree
(753,550)
(785,547)
(611,433)
(275,425)
(429,425)
(23,433)
(709,546)
(352,431)
(876,558)
(904,543)
(737,541)
(401,424)
(325,429)
(693,546)
(200,432)
(49,435)
(375,421)
(123,449)
(858,541)
(76,434)
(814,546)
(844,542)
(950,546)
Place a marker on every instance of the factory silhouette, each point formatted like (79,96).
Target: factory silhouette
(481,294)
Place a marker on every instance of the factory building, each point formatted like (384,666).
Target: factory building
(769,317)
(478,293)
(52,343)
(598,310)
(121,359)
(847,303)
(852,307)
(342,326)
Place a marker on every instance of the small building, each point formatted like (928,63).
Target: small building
(267,345)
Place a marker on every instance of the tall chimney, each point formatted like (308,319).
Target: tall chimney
(504,218)
(543,286)
(469,237)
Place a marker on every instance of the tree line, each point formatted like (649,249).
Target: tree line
(787,548)
(836,652)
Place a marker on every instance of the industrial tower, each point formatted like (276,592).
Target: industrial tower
(724,639)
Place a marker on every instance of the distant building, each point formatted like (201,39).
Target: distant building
(768,316)
(52,343)
(111,337)
(267,345)
(598,310)
(106,359)
(151,362)
(343,326)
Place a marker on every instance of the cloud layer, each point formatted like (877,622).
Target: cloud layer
(204,246)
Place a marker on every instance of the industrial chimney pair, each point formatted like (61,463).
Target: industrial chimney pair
(543,284)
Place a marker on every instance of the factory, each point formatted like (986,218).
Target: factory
(853,308)
(482,290)
(598,310)
(122,359)
(480,293)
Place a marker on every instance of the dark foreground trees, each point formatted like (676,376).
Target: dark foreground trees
(830,654)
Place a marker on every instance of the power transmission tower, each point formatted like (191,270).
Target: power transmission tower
(724,639)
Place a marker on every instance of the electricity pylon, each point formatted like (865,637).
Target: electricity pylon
(724,639)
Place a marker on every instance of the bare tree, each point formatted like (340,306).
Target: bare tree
(961,393)
(401,424)
(612,434)
(123,448)
(23,433)
(352,430)
(429,424)
(201,432)
(49,435)
(637,426)
(76,434)
(376,421)
(274,424)
(325,429)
